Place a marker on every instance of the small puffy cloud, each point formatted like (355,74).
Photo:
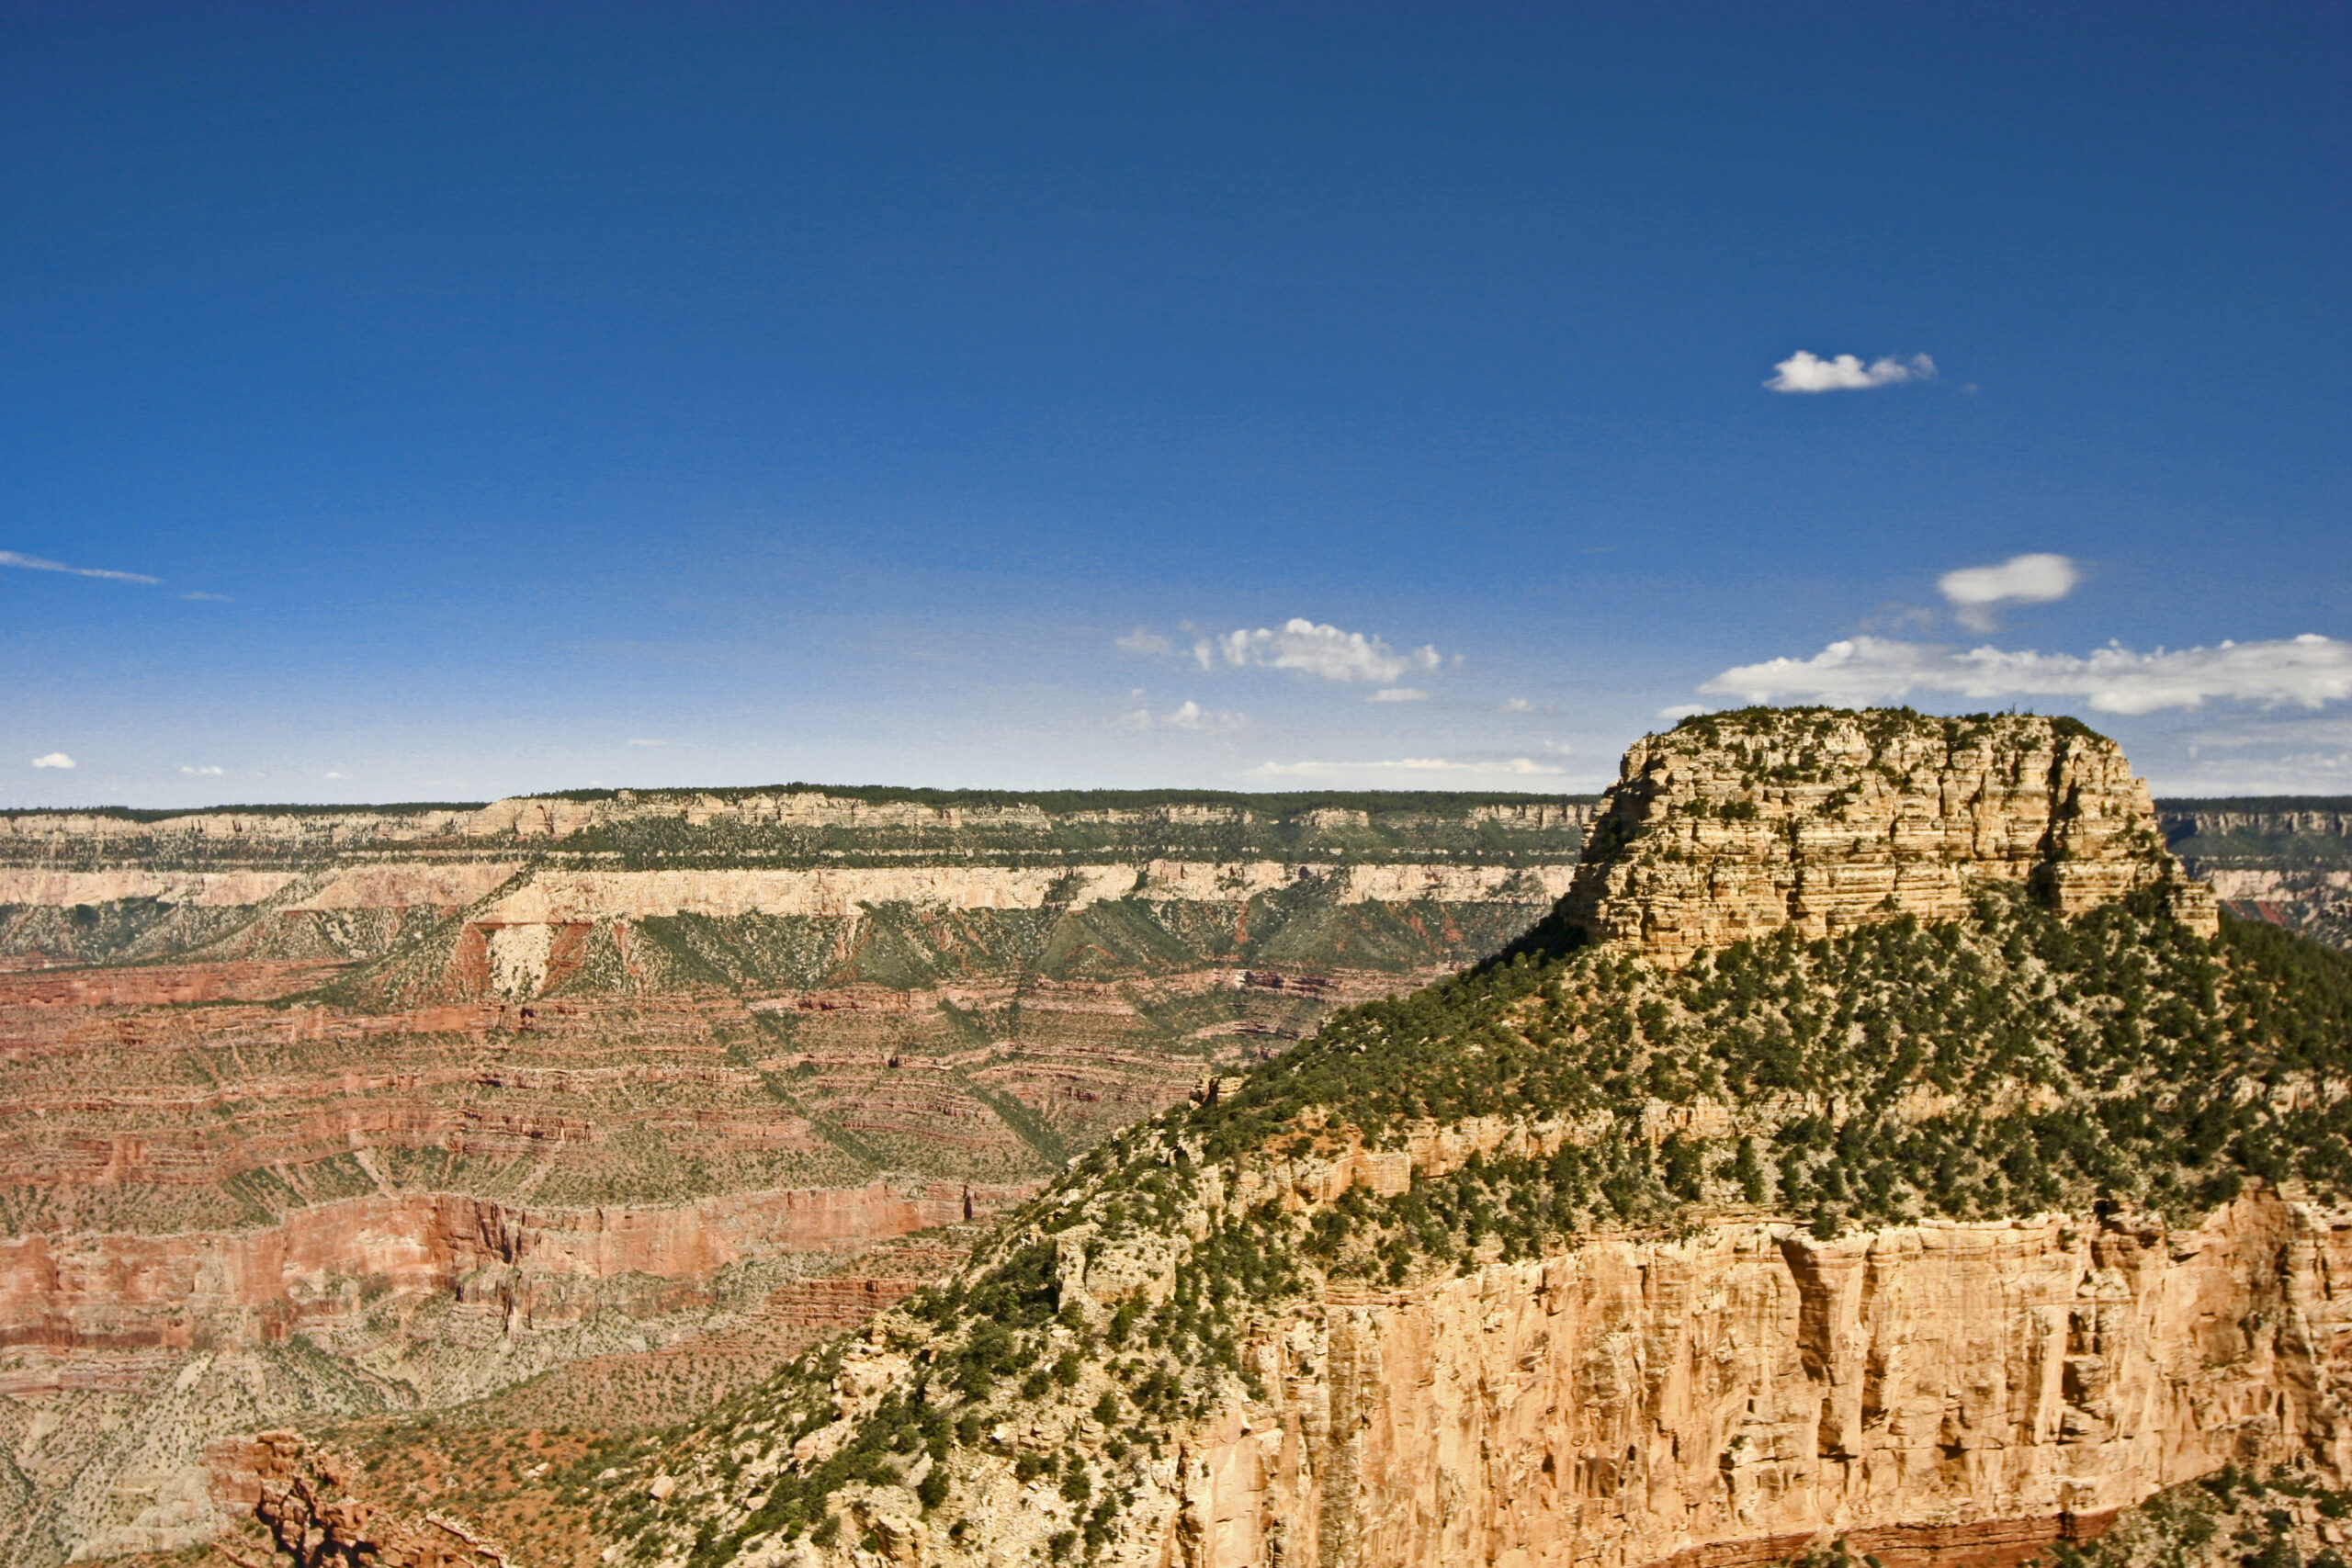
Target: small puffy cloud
(1320,650)
(55,760)
(1976,592)
(1802,372)
(201,773)
(1144,640)
(1187,715)
(35,563)
(1681,711)
(1190,715)
(1398,694)
(335,775)
(2304,671)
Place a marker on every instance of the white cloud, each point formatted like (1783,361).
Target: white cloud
(335,775)
(55,760)
(1320,650)
(1515,704)
(1976,590)
(1143,639)
(1187,715)
(1418,767)
(1398,694)
(1192,715)
(208,772)
(214,598)
(2305,670)
(1802,372)
(1681,711)
(35,563)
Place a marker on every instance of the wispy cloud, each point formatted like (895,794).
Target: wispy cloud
(1324,651)
(2305,670)
(1398,694)
(35,563)
(211,598)
(205,772)
(1976,592)
(55,760)
(1803,372)
(1144,640)
(335,775)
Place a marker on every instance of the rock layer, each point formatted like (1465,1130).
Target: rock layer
(309,1113)
(1733,826)
(1727,1398)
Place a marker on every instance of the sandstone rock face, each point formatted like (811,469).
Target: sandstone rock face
(1726,1398)
(1735,825)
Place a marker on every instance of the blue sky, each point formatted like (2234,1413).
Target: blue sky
(526,396)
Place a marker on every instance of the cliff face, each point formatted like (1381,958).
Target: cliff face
(1733,826)
(1729,1398)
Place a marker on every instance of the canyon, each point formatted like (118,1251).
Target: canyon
(2286,860)
(1566,1370)
(605,1105)
(314,1114)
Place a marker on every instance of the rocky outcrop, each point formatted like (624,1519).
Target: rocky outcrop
(304,1496)
(1734,826)
(1728,1398)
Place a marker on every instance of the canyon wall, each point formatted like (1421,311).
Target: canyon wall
(1729,1398)
(2287,860)
(1733,826)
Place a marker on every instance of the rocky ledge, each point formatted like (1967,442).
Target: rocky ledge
(1731,826)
